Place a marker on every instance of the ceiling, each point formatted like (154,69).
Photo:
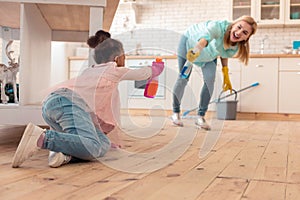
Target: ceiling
(58,16)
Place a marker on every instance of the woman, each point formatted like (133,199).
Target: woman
(201,44)
(81,111)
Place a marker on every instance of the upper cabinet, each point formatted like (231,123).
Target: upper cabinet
(242,7)
(268,12)
(292,12)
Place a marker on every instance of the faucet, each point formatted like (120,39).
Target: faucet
(262,44)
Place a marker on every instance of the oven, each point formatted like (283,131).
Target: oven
(135,89)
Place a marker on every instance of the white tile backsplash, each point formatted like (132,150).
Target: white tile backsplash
(176,15)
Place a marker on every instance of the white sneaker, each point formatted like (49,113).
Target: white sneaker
(200,121)
(27,145)
(57,159)
(176,119)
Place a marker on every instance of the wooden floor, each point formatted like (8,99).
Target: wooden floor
(239,159)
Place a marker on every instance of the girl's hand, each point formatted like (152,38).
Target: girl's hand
(157,68)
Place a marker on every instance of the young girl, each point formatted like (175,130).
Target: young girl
(81,111)
(201,44)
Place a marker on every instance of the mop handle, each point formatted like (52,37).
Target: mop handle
(216,100)
(253,85)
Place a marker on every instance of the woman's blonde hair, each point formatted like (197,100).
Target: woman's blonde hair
(243,46)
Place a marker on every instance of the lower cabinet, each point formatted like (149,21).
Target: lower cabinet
(289,81)
(76,66)
(278,90)
(264,97)
(235,78)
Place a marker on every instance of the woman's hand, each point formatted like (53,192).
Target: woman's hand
(226,80)
(191,55)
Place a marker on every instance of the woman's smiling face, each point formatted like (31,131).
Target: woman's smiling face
(240,31)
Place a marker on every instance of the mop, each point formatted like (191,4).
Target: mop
(218,99)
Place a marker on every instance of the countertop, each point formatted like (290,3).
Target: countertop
(175,57)
(251,56)
(275,55)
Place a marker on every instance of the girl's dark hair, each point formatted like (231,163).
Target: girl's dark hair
(96,39)
(108,50)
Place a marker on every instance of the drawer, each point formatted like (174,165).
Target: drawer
(289,64)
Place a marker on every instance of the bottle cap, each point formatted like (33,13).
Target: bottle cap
(158,60)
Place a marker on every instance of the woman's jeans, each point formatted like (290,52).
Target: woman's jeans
(72,129)
(209,73)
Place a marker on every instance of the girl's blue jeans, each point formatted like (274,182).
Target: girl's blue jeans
(209,73)
(72,129)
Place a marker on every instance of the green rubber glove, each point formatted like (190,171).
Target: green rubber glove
(192,55)
(226,80)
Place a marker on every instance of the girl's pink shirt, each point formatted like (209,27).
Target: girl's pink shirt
(98,86)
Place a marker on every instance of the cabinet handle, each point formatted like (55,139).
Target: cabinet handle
(259,65)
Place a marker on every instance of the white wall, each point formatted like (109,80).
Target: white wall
(177,15)
(160,23)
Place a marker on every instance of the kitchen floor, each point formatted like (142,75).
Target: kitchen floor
(239,159)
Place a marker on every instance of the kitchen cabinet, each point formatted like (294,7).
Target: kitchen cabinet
(167,81)
(76,65)
(267,12)
(289,81)
(270,11)
(292,12)
(263,98)
(235,77)
(278,77)
(191,96)
(242,7)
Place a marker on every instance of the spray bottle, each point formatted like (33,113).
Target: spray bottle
(188,65)
(186,70)
(152,84)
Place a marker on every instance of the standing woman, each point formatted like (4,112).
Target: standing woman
(201,44)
